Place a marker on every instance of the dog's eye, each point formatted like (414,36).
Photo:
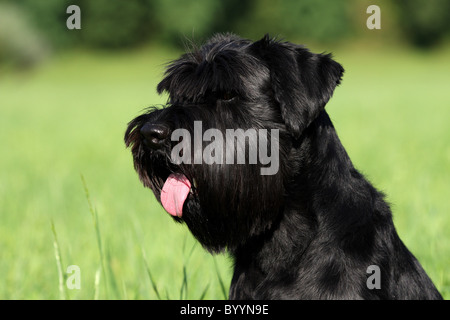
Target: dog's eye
(227,96)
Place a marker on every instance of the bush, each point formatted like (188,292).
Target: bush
(115,23)
(191,19)
(424,23)
(319,20)
(49,17)
(21,45)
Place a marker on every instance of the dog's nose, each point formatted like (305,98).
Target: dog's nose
(155,134)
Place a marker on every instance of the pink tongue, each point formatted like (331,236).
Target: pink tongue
(174,193)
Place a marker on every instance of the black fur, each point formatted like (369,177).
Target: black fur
(311,230)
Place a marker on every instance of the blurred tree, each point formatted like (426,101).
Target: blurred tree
(231,13)
(320,20)
(181,21)
(424,23)
(115,23)
(49,17)
(191,19)
(21,45)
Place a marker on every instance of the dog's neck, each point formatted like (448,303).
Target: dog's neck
(332,189)
(319,206)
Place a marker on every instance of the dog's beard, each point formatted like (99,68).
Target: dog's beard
(220,216)
(222,204)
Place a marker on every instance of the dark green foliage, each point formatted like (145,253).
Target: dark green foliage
(424,23)
(114,24)
(319,20)
(49,17)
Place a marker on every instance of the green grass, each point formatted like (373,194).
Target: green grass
(67,118)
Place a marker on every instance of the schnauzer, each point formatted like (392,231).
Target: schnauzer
(310,226)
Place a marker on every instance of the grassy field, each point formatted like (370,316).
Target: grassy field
(66,119)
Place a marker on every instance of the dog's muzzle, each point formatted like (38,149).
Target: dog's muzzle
(177,187)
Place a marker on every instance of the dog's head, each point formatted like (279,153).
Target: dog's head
(220,154)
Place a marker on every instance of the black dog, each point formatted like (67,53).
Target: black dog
(314,228)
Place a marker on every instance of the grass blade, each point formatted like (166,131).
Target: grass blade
(184,285)
(97,283)
(192,250)
(152,281)
(94,216)
(202,297)
(61,274)
(112,279)
(222,285)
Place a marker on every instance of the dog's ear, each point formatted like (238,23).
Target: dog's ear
(302,81)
